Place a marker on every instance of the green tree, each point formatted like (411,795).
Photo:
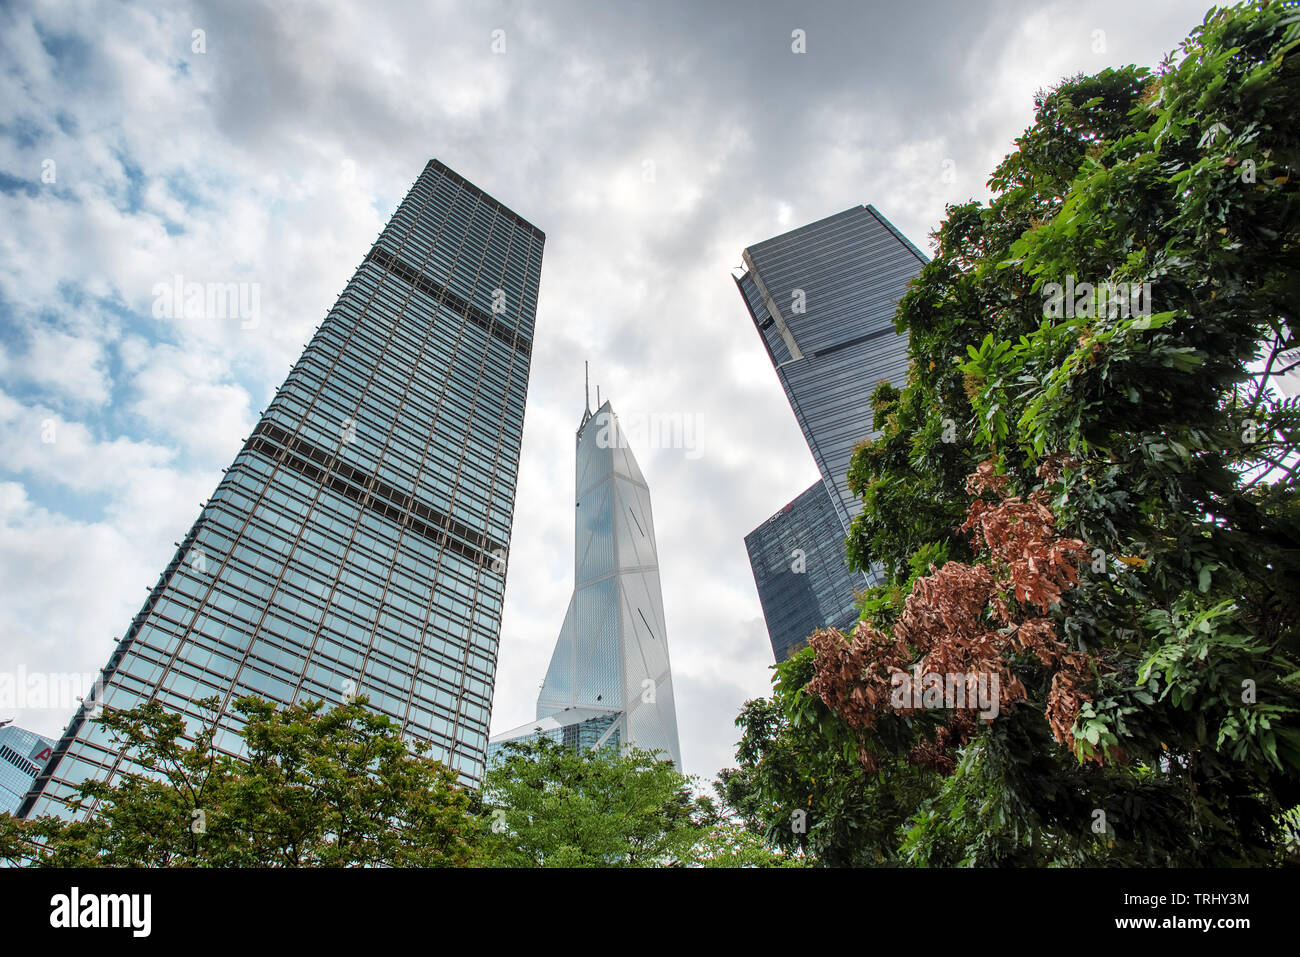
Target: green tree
(551,805)
(318,788)
(799,784)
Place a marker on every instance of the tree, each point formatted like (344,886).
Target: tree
(1115,531)
(552,805)
(318,788)
(798,784)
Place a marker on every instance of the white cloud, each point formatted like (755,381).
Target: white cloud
(68,588)
(70,367)
(186,397)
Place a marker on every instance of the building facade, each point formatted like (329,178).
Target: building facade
(609,682)
(803,577)
(22,755)
(358,544)
(823,299)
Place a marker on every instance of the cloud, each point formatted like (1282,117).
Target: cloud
(187,397)
(68,588)
(70,367)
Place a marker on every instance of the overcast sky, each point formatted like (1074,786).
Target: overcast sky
(651,142)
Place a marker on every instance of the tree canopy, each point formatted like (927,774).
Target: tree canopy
(551,805)
(342,787)
(317,789)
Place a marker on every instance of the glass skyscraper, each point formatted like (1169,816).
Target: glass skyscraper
(358,543)
(22,755)
(803,577)
(823,298)
(609,681)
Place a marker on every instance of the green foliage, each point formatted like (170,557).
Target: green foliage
(550,805)
(799,783)
(318,788)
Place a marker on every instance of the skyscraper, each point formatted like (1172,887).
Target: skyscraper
(22,755)
(609,681)
(358,543)
(823,299)
(803,577)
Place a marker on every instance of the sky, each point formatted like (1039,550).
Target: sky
(268,143)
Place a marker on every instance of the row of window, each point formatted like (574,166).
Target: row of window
(341,388)
(310,577)
(329,497)
(469,261)
(205,666)
(354,324)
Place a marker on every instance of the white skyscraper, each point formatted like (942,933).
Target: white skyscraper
(609,681)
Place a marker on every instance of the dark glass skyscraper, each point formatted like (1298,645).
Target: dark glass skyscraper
(803,577)
(358,543)
(823,298)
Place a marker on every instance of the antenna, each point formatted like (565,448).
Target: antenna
(586,385)
(598,397)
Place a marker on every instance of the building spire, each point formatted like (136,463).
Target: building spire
(586,397)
